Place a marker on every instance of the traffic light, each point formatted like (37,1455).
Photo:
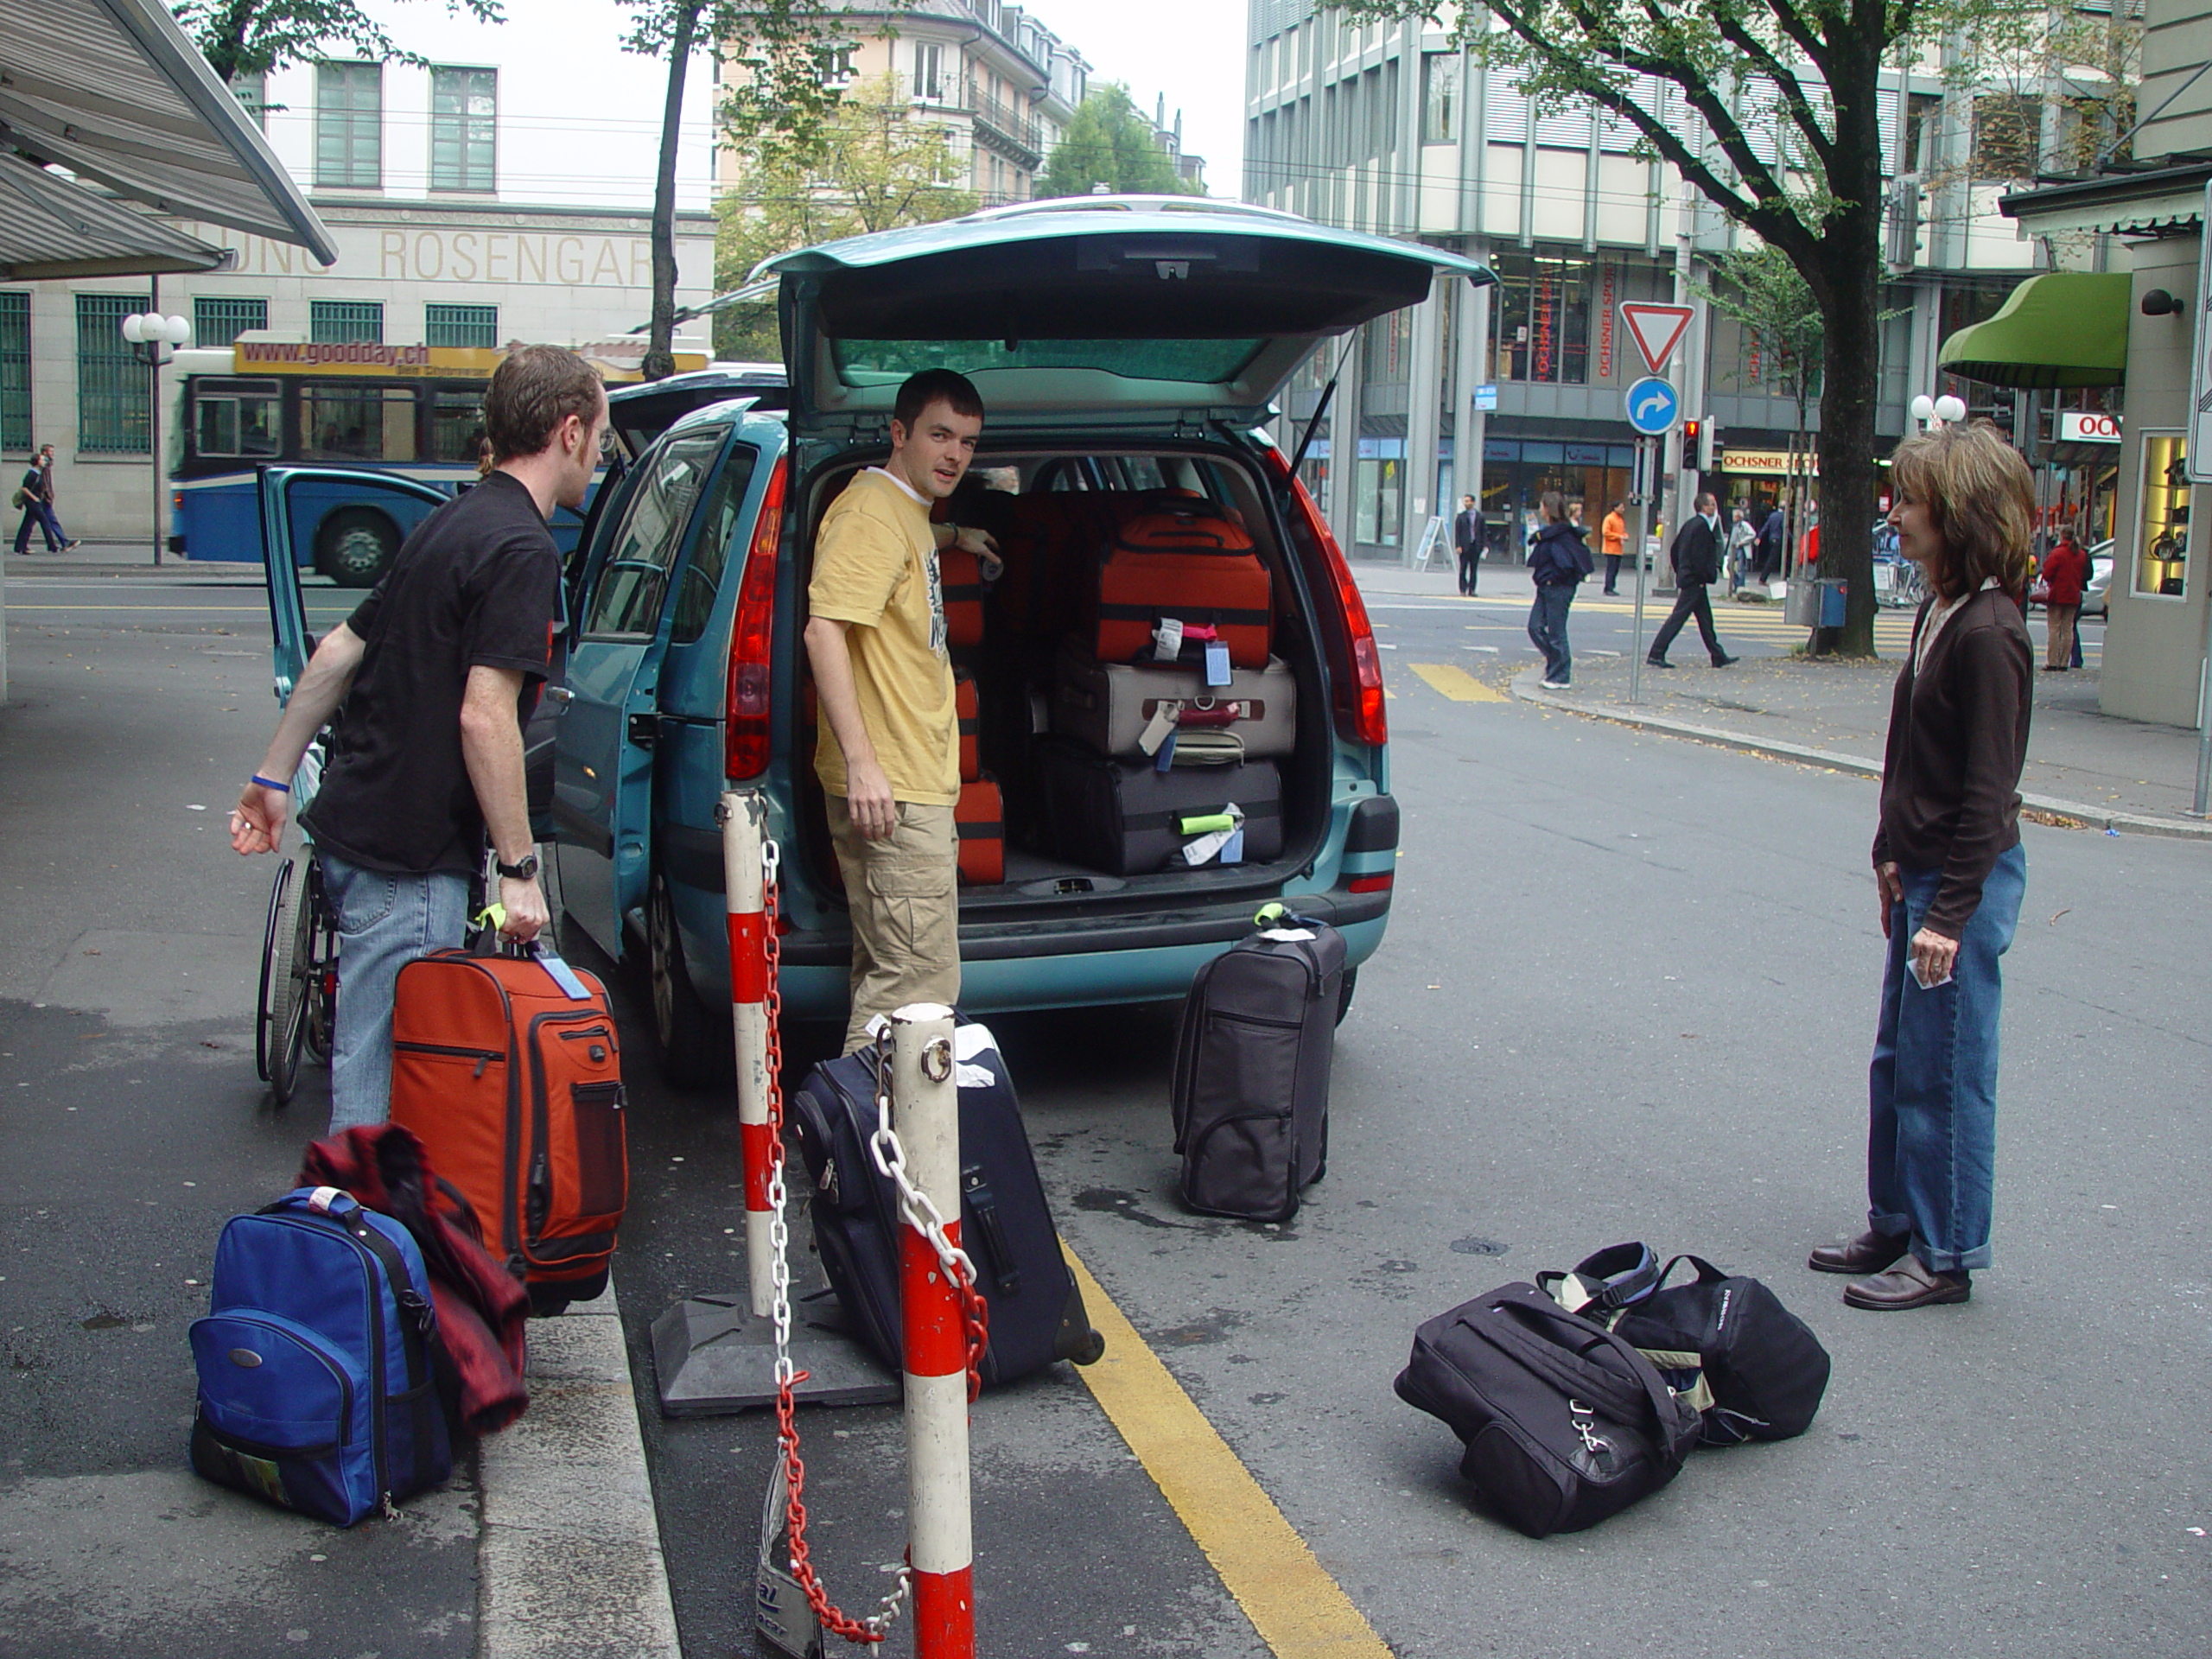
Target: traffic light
(1692,445)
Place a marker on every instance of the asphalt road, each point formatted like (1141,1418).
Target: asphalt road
(1628,992)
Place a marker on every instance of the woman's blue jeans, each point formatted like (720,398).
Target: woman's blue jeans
(1547,630)
(385,922)
(1931,1137)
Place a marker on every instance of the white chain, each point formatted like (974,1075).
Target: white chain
(914,1205)
(780,1274)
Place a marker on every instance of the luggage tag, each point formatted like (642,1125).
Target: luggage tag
(1161,729)
(561,973)
(1216,662)
(1165,757)
(1167,639)
(1214,832)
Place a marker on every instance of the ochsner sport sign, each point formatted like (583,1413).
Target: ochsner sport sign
(2088,426)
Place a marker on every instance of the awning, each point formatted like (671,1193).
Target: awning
(114,91)
(2063,329)
(51,227)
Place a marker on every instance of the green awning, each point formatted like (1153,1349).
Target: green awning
(2063,328)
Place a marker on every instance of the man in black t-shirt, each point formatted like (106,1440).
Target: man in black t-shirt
(438,670)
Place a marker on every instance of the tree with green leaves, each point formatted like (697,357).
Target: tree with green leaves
(1705,86)
(782,84)
(240,38)
(1770,301)
(1108,141)
(873,162)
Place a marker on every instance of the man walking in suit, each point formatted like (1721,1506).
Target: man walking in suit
(1467,541)
(1695,555)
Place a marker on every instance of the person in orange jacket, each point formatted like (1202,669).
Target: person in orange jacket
(1613,536)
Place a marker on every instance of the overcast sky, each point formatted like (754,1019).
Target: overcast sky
(1192,50)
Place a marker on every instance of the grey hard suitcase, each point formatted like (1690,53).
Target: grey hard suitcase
(1108,705)
(1124,817)
(1251,1096)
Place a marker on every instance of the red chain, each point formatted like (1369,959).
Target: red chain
(832,1617)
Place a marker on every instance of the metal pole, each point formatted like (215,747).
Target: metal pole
(743,813)
(1646,470)
(153,409)
(2203,717)
(926,1111)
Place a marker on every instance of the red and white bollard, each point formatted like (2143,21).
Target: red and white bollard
(743,812)
(925,1104)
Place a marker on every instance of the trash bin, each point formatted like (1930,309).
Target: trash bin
(1833,590)
(1815,604)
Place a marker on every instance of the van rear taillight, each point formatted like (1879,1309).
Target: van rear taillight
(751,642)
(1354,666)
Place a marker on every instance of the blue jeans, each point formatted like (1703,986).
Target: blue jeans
(1547,630)
(1931,1137)
(385,922)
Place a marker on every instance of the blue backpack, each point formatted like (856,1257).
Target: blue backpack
(316,1385)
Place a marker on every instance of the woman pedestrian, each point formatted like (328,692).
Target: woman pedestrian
(1743,536)
(2065,573)
(1558,560)
(1949,870)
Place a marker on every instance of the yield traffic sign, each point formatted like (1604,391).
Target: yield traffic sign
(1656,329)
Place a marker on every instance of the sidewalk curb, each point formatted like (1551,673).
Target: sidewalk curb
(1526,688)
(569,1557)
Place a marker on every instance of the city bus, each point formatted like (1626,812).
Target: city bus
(413,410)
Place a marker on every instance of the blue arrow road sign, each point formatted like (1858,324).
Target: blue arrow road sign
(1653,406)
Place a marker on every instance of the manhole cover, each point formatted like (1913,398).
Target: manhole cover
(1479,1247)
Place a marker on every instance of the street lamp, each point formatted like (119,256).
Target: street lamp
(1933,412)
(148,333)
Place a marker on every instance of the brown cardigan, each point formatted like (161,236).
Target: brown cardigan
(1951,769)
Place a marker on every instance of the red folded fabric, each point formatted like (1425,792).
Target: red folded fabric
(481,1306)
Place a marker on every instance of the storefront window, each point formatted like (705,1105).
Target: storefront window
(2162,556)
(1543,319)
(1379,501)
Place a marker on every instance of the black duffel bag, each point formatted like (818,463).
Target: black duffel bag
(1754,1369)
(1564,1422)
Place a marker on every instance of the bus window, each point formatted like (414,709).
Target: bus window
(235,417)
(342,423)
(457,423)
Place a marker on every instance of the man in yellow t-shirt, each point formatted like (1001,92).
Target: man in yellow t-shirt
(887,753)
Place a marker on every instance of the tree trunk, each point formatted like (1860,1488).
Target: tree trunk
(660,357)
(1849,282)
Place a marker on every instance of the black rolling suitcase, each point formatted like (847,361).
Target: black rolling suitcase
(1037,1314)
(1252,1070)
(1126,817)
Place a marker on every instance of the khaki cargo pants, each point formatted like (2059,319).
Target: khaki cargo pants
(906,910)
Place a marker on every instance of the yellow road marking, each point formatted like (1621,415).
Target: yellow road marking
(1456,682)
(1300,1611)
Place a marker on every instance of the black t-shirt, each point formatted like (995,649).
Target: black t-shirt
(476,583)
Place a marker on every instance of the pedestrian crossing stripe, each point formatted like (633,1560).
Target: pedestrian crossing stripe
(1457,684)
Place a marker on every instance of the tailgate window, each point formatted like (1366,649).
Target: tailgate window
(1200,362)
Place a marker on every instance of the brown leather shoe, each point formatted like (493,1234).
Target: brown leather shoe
(1868,1253)
(1908,1285)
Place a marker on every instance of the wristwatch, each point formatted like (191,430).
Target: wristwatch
(525,871)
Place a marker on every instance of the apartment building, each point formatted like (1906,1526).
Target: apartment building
(486,196)
(1387,127)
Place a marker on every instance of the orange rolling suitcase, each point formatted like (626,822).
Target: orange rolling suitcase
(979,820)
(1183,558)
(960,575)
(508,1070)
(970,711)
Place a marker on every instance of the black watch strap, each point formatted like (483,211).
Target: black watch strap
(525,871)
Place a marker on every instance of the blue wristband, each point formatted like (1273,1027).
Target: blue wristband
(270,783)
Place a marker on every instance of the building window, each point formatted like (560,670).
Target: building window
(252,94)
(2007,134)
(16,373)
(463,131)
(1440,98)
(2162,554)
(112,382)
(341,322)
(461,324)
(1543,319)
(219,322)
(349,125)
(929,70)
(839,69)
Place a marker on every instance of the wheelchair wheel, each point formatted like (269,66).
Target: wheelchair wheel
(289,1037)
(273,1009)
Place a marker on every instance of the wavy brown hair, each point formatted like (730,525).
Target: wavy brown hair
(1981,501)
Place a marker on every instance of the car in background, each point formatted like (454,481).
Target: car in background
(2096,595)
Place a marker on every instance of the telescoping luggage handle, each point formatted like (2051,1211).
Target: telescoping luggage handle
(490,942)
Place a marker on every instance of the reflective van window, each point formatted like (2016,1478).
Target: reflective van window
(634,580)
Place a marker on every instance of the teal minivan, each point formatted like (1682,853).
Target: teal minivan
(1119,344)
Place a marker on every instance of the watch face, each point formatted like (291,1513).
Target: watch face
(522,872)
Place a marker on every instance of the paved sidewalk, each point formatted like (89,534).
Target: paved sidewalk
(2120,774)
(120,558)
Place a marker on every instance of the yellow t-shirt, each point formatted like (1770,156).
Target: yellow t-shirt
(875,568)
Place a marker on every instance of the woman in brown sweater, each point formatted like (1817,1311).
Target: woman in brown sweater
(1950,871)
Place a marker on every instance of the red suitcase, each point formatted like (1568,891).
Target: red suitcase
(513,1083)
(960,576)
(1185,558)
(969,709)
(980,818)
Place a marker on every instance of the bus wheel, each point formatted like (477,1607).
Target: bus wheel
(354,545)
